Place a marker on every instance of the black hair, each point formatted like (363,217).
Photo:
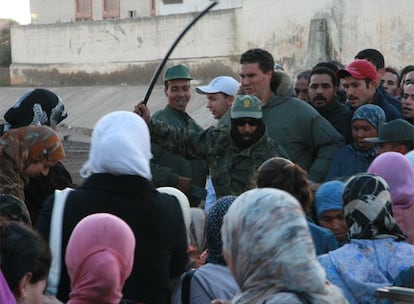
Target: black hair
(405,70)
(23,250)
(304,74)
(259,56)
(325,70)
(392,71)
(372,55)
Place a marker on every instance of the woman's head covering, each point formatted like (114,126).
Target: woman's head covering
(36,107)
(368,208)
(32,144)
(214,223)
(184,204)
(99,258)
(371,113)
(267,239)
(125,139)
(14,209)
(399,175)
(329,197)
(6,296)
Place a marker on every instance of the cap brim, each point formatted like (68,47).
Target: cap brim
(346,73)
(242,114)
(206,90)
(374,140)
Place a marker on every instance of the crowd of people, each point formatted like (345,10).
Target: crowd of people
(303,192)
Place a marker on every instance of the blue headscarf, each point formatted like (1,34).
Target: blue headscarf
(371,113)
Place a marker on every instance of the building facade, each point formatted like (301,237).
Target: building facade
(123,41)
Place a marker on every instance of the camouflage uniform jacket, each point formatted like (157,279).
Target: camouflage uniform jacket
(231,168)
(167,167)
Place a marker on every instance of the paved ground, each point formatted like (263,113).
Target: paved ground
(85,105)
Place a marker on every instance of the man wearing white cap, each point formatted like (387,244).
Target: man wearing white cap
(220,92)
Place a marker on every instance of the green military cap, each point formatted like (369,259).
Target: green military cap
(177,72)
(246,106)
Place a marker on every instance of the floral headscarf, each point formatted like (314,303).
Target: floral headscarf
(99,258)
(21,147)
(368,208)
(267,239)
(31,144)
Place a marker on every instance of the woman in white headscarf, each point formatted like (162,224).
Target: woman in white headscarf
(268,247)
(119,182)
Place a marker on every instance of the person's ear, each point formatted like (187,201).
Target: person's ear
(230,100)
(381,72)
(21,292)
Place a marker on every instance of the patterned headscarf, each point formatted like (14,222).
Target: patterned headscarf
(368,208)
(21,147)
(31,144)
(267,239)
(371,113)
(99,258)
(125,140)
(36,107)
(214,223)
(398,173)
(14,209)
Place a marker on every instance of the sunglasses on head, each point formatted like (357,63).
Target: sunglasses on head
(250,121)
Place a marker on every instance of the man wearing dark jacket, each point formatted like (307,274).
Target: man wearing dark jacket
(323,86)
(359,79)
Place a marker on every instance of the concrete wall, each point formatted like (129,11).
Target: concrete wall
(113,49)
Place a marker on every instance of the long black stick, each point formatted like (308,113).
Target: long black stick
(161,66)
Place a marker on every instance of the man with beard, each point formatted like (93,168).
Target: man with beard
(323,86)
(233,152)
(168,169)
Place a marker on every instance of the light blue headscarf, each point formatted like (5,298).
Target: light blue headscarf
(267,239)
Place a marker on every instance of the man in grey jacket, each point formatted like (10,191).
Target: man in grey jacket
(309,139)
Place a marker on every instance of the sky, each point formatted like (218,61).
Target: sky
(18,10)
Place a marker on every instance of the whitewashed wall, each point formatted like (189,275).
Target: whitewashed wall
(282,27)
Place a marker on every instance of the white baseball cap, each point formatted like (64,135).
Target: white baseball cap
(222,84)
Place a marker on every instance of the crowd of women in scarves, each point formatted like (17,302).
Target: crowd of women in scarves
(304,198)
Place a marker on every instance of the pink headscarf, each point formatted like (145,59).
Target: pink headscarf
(99,258)
(398,173)
(6,295)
